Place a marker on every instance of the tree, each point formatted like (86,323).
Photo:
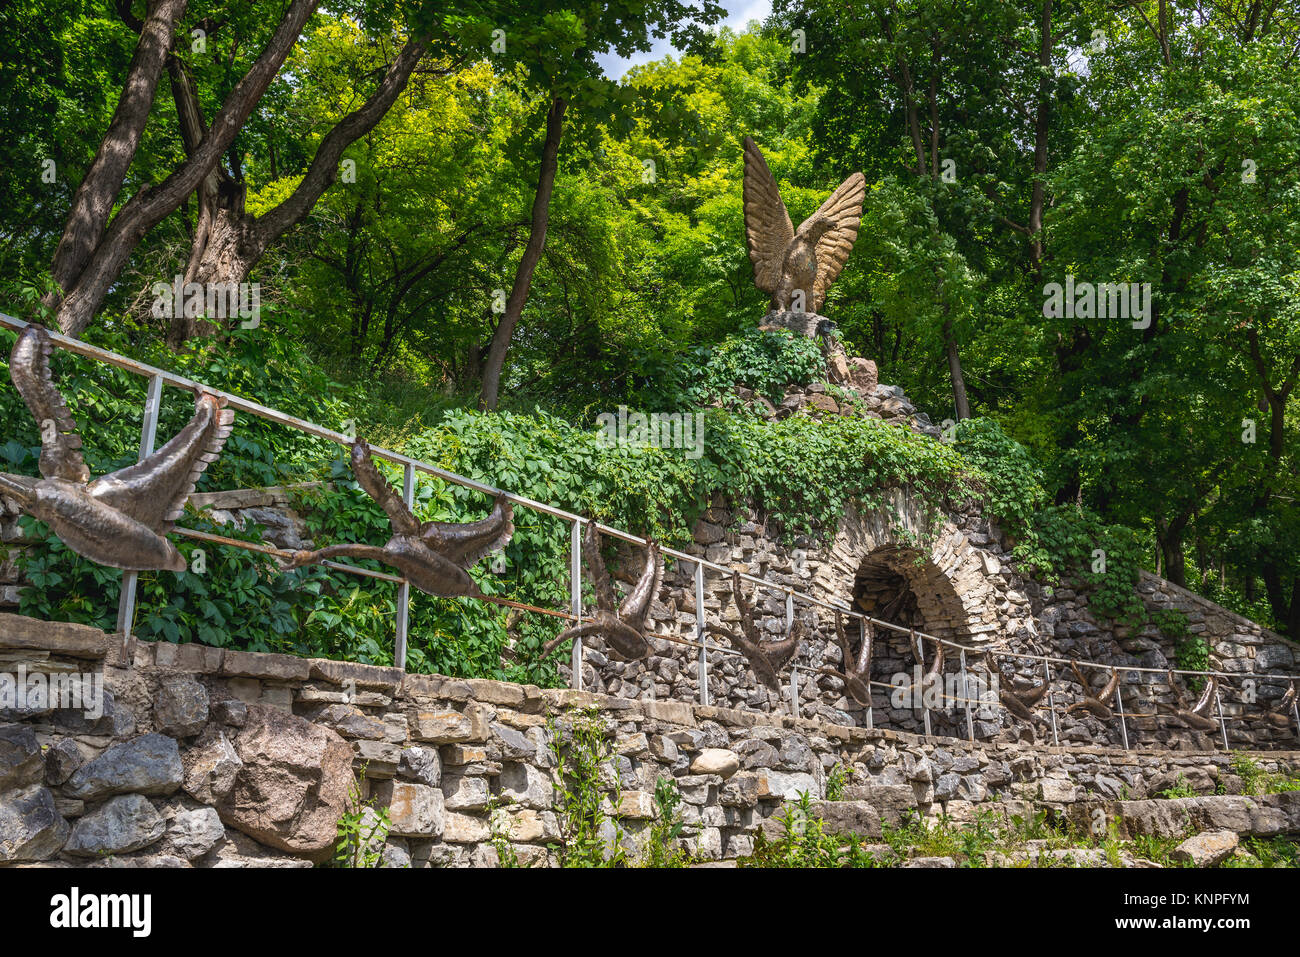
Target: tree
(557,43)
(93,250)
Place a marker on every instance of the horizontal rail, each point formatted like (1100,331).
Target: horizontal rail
(241,404)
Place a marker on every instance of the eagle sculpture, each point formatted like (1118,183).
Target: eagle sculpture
(120,520)
(434,556)
(797,267)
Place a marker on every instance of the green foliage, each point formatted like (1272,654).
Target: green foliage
(580,748)
(1193,654)
(1265,852)
(1256,780)
(362,831)
(666,827)
(805,843)
(499,831)
(1056,540)
(837,780)
(1179,789)
(765,361)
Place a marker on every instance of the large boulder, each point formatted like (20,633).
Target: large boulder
(31,829)
(149,764)
(1206,849)
(21,762)
(718,761)
(114,719)
(195,832)
(210,767)
(293,785)
(62,760)
(120,825)
(181,706)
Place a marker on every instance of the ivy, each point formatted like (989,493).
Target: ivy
(767,361)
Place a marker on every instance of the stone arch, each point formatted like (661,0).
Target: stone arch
(902,553)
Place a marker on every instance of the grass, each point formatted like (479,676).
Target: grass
(990,839)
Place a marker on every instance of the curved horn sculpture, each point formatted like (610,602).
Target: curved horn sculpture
(932,675)
(854,670)
(622,626)
(766,658)
(1021,700)
(1195,717)
(120,519)
(1097,705)
(1281,717)
(434,556)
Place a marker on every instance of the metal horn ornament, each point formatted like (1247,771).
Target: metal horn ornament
(1281,717)
(1097,705)
(766,658)
(1194,717)
(434,556)
(854,670)
(121,519)
(1021,700)
(622,626)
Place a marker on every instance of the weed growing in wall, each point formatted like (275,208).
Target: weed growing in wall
(589,834)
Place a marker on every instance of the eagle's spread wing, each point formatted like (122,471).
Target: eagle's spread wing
(844,211)
(767,224)
(29,368)
(376,486)
(154,491)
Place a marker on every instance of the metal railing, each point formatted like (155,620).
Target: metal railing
(158,378)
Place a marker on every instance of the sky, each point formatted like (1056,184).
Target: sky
(739,13)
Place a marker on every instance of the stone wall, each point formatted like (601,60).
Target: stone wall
(204,757)
(947,573)
(958,581)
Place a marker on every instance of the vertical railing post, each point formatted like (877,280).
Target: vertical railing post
(1295,713)
(919,649)
(1119,703)
(794,672)
(1223,723)
(575,601)
(404,589)
(965,693)
(148,436)
(862,636)
(699,633)
(1051,703)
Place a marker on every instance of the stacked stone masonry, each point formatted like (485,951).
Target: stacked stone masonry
(212,758)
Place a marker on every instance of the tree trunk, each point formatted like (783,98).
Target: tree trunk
(1171,549)
(151,205)
(532,254)
(1042,120)
(93,202)
(229,242)
(954,370)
